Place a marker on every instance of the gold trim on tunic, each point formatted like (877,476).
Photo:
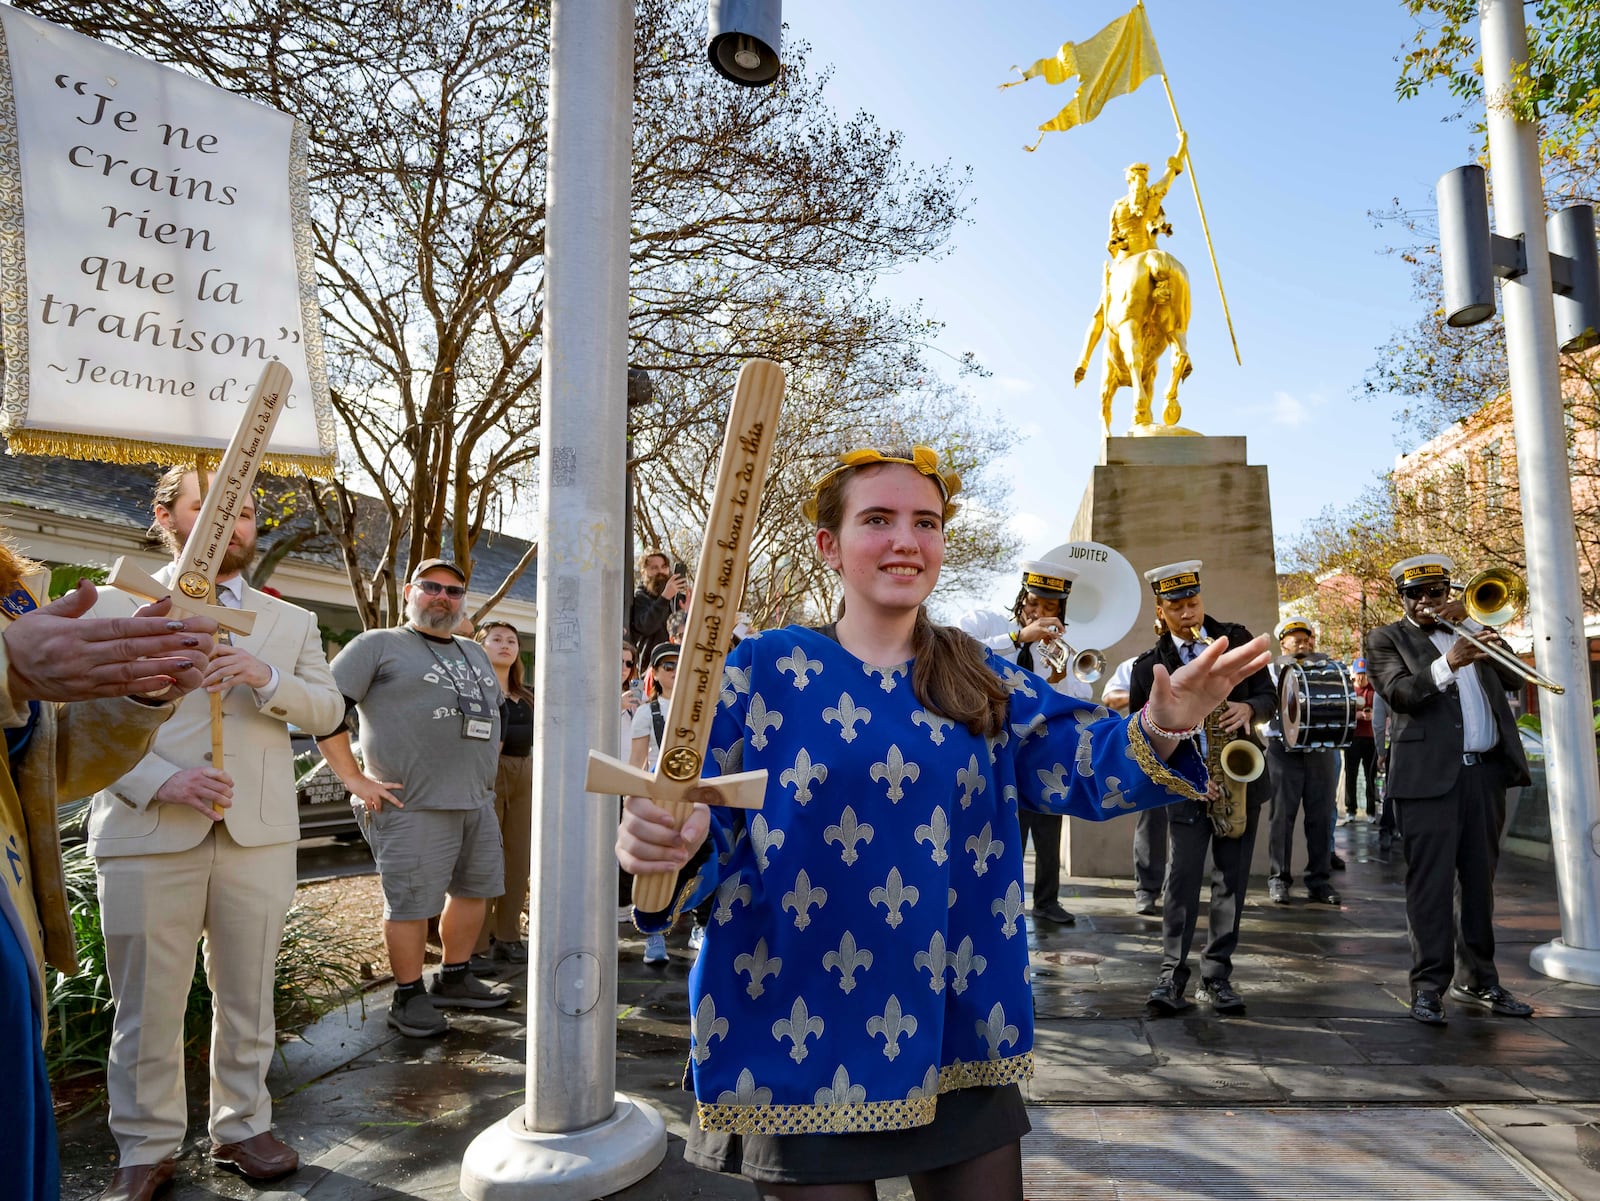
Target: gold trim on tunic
(904,1114)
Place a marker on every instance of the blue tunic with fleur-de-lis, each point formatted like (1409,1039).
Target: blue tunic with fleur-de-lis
(865,951)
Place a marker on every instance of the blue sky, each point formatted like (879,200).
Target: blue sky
(1296,135)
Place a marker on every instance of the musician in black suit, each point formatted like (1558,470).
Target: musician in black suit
(1453,752)
(1303,783)
(1180,611)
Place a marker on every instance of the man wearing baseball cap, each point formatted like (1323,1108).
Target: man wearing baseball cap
(1453,751)
(429,708)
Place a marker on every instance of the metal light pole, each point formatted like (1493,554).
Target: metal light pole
(1555,603)
(575,1138)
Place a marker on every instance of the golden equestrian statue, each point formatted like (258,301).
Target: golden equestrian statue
(1144,303)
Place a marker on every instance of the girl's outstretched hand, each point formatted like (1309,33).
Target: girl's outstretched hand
(1184,698)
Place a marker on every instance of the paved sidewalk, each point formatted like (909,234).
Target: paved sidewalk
(1324,1089)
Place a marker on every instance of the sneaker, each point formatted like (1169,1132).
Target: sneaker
(1166,998)
(624,915)
(1494,998)
(483,965)
(1054,911)
(515,951)
(1144,903)
(418,1017)
(1222,996)
(1277,892)
(1324,896)
(466,991)
(655,948)
(697,937)
(1346,818)
(1336,863)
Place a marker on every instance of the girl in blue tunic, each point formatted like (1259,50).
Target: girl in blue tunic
(861,1007)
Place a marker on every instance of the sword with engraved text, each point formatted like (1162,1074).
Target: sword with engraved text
(713,612)
(193,587)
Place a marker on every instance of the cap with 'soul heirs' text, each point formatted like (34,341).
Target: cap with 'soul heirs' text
(1176,580)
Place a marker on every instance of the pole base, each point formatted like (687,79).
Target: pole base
(508,1161)
(1561,962)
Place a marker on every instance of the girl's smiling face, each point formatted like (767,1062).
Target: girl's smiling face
(890,542)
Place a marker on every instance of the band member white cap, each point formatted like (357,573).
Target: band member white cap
(1292,625)
(1176,580)
(1422,569)
(1044,578)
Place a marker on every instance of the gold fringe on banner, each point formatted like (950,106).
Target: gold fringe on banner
(132,451)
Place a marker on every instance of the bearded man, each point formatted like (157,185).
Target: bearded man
(429,708)
(187,849)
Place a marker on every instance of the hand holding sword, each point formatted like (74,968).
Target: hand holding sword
(669,798)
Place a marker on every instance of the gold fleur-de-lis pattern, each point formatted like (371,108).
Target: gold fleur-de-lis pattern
(869,912)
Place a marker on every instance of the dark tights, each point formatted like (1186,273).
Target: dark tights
(994,1176)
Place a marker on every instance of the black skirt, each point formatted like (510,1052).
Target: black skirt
(967,1123)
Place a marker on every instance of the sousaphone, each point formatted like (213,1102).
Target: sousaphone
(1101,609)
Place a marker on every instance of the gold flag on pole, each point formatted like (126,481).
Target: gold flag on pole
(1113,62)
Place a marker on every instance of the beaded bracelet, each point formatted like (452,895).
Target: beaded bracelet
(1151,726)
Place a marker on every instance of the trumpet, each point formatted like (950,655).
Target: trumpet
(1495,597)
(1086,666)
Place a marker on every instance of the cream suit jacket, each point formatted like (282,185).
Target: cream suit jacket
(125,821)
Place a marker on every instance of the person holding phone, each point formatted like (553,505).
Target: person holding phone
(655,600)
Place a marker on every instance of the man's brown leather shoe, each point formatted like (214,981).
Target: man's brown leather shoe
(141,1182)
(263,1156)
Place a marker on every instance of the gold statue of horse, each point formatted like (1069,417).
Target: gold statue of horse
(1144,303)
(1144,308)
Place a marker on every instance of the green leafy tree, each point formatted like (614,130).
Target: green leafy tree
(1558,85)
(1449,387)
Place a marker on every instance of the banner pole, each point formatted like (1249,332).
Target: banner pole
(1205,228)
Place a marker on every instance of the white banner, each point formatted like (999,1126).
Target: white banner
(155,255)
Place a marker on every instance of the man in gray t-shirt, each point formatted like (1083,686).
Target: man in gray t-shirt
(429,709)
(408,687)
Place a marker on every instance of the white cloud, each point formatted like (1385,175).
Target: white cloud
(1029,527)
(1288,409)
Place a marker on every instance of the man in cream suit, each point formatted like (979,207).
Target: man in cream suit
(187,848)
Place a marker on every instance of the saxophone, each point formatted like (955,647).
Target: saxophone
(1232,764)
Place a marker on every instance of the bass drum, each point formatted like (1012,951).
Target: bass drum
(1317,705)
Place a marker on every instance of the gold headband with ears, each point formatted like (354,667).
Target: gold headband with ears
(923,458)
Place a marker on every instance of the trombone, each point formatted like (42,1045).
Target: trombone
(1495,597)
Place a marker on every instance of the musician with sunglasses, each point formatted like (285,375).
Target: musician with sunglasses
(1453,752)
(429,706)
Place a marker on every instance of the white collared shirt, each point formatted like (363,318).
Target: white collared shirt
(1478,733)
(230,595)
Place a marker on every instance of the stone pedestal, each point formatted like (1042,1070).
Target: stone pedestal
(1159,500)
